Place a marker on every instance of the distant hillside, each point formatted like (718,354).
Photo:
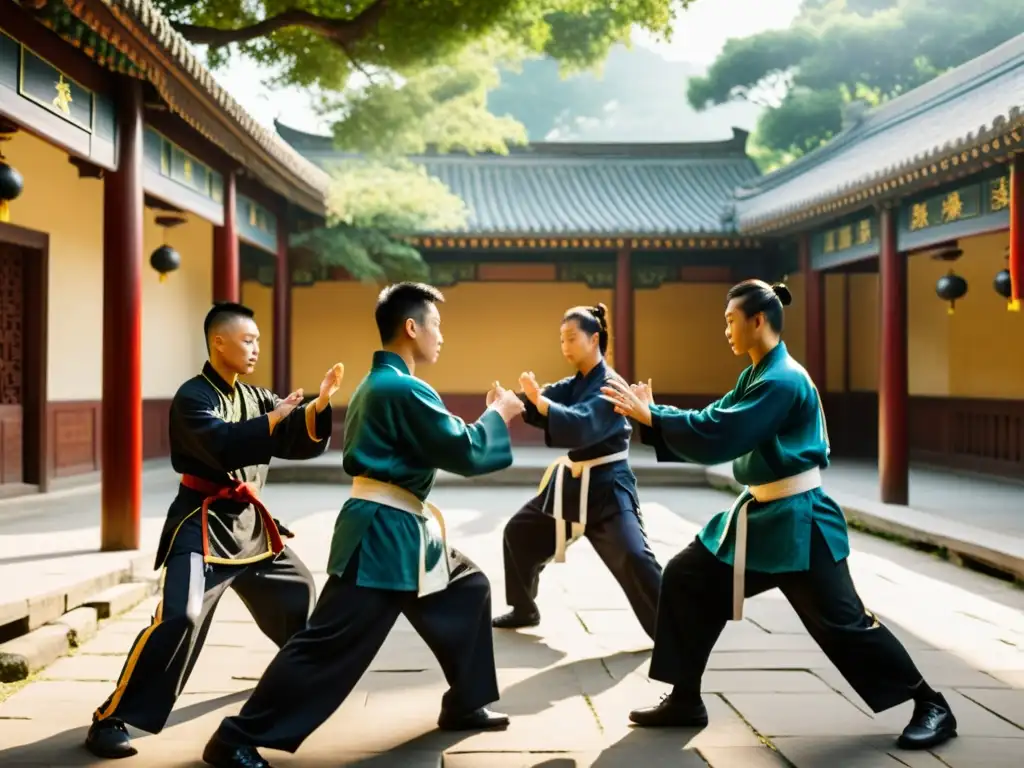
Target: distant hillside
(639,96)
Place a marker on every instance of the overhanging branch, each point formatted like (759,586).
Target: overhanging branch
(344,32)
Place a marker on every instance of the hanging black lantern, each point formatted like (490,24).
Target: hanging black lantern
(1002,283)
(11,185)
(950,288)
(165,260)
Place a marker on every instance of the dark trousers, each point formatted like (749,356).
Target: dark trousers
(317,669)
(279,593)
(696,603)
(618,538)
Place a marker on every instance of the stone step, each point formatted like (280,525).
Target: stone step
(121,598)
(25,655)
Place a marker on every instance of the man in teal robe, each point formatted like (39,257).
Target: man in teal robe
(772,427)
(389,555)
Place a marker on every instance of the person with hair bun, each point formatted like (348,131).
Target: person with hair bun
(589,492)
(772,428)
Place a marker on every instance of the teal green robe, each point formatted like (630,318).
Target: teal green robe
(398,431)
(770,426)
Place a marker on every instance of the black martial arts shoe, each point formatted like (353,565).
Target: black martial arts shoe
(932,724)
(220,754)
(478,720)
(109,739)
(672,712)
(516,619)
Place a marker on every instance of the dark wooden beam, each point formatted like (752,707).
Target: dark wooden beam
(893,400)
(121,446)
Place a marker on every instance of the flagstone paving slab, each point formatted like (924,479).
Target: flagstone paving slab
(570,683)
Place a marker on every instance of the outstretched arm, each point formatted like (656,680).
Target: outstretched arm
(305,433)
(555,393)
(445,441)
(653,437)
(718,433)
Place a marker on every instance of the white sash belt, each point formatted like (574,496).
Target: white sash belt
(780,489)
(432,527)
(580,469)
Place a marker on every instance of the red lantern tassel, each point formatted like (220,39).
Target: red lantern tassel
(1016,261)
(5,211)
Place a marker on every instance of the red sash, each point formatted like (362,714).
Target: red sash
(241,492)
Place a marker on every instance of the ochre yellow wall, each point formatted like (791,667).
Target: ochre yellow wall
(70,210)
(927,329)
(491,331)
(173,347)
(680,337)
(835,339)
(260,298)
(967,354)
(679,342)
(985,359)
(864,328)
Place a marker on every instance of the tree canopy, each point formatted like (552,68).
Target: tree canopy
(321,42)
(426,67)
(840,51)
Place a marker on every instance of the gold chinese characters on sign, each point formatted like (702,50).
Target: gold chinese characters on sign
(845,237)
(62,101)
(999,195)
(952,206)
(864,232)
(919,216)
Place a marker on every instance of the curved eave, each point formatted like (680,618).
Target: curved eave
(969,154)
(142,34)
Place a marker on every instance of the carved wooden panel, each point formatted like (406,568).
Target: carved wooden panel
(10,444)
(12,340)
(75,438)
(12,325)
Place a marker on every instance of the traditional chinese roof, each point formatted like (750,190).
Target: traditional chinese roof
(955,124)
(160,54)
(583,189)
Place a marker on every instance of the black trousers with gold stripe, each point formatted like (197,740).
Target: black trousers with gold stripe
(696,603)
(279,593)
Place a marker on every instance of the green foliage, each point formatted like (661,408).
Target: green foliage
(443,106)
(838,51)
(321,42)
(371,206)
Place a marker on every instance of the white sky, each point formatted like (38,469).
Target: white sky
(700,33)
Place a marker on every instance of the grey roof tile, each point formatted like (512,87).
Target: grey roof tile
(601,189)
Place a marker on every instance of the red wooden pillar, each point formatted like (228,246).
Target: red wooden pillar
(225,248)
(622,315)
(814,298)
(893,443)
(1016,265)
(121,428)
(282,310)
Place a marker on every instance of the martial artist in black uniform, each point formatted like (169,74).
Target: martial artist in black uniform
(218,534)
(591,493)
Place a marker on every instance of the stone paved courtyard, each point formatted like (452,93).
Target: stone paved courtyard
(774,699)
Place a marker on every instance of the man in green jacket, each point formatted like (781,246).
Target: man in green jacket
(390,554)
